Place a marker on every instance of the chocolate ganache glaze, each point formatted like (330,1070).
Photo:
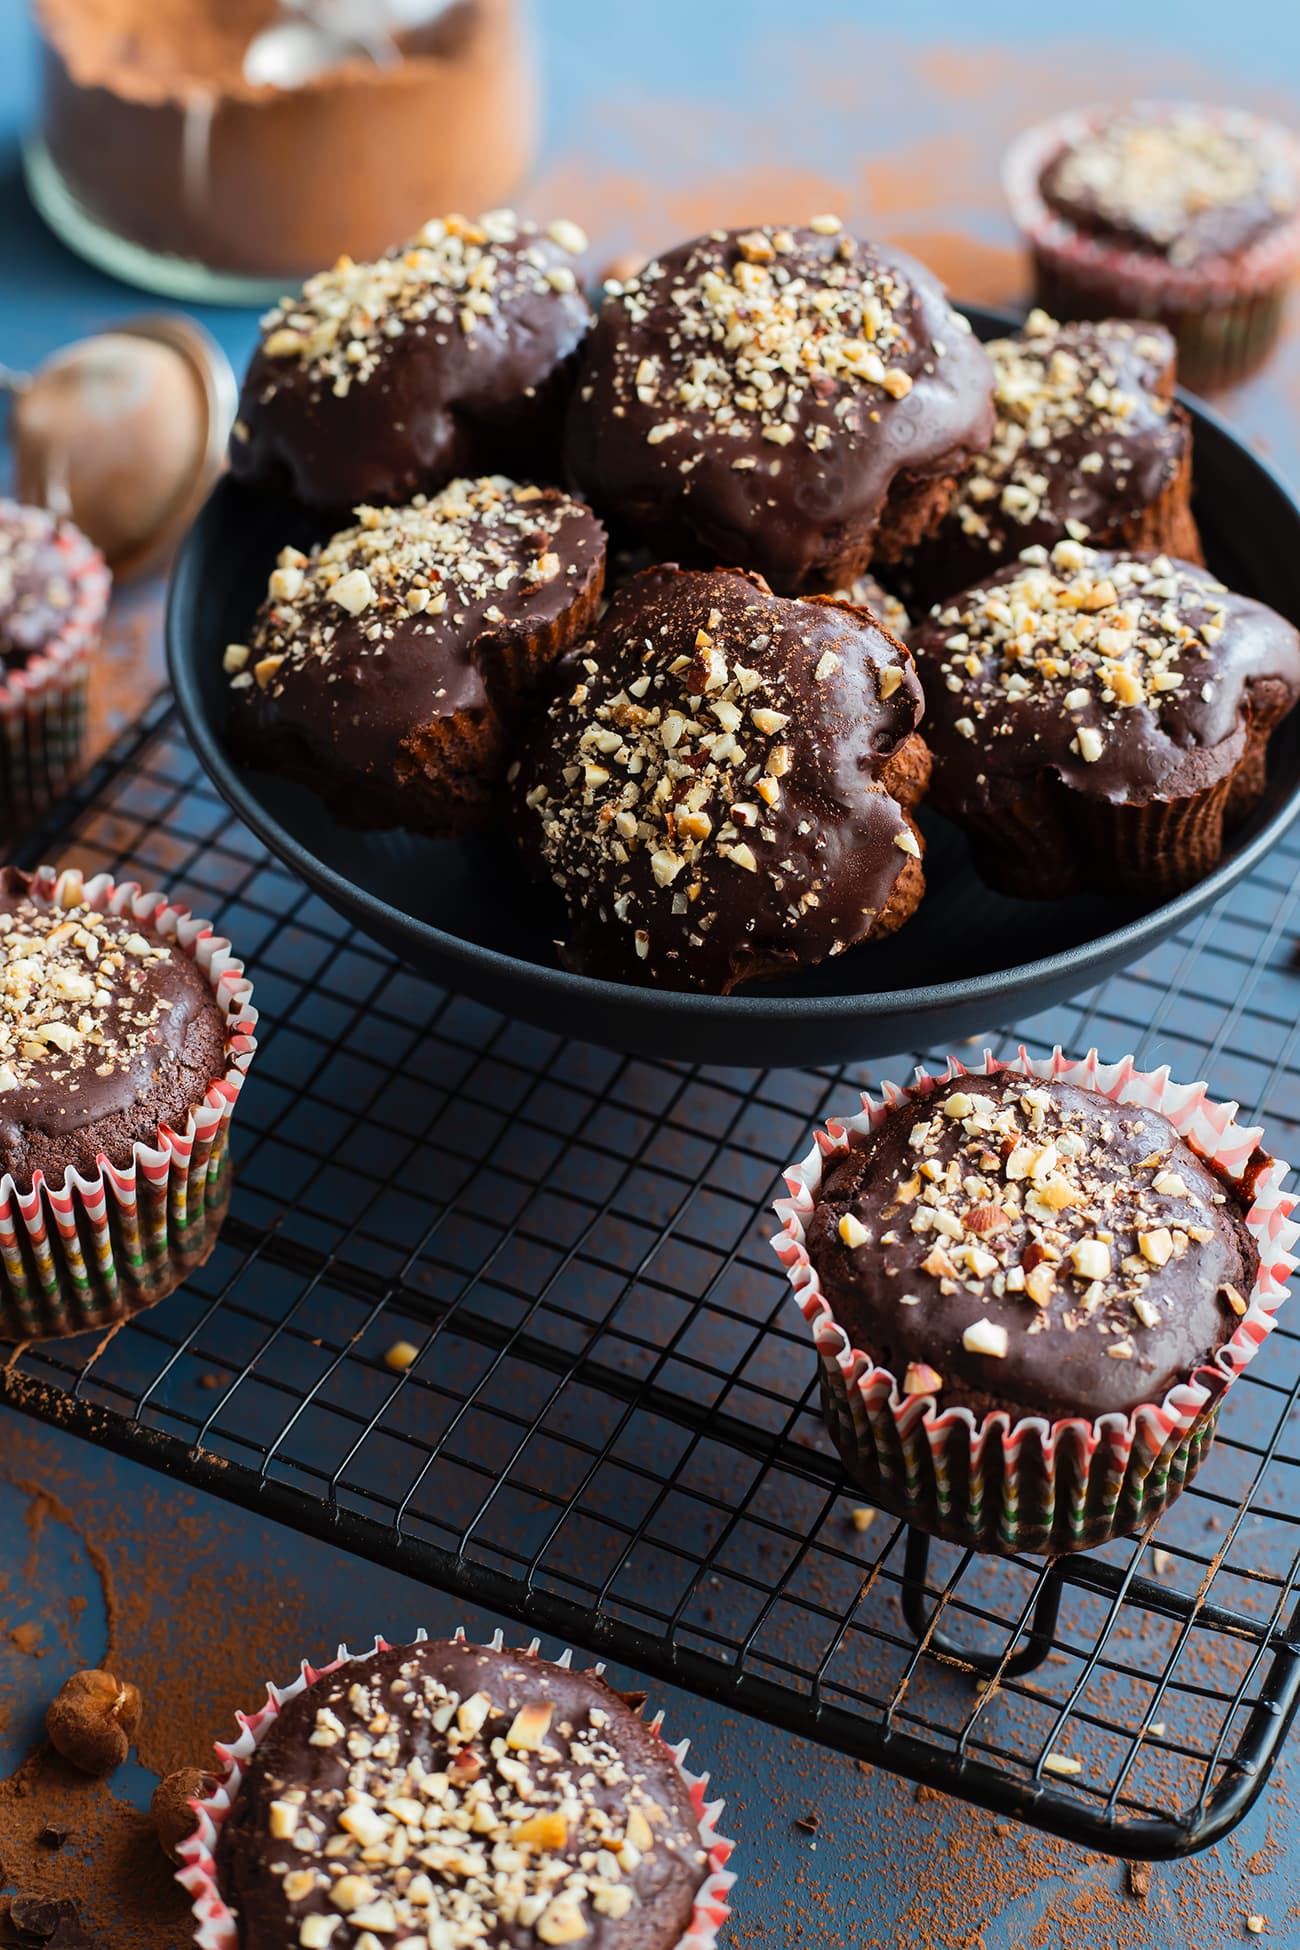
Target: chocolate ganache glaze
(104,1032)
(1125,678)
(445,1793)
(384,669)
(793,400)
(1034,1247)
(36,589)
(452,355)
(1185,184)
(1088,440)
(720,790)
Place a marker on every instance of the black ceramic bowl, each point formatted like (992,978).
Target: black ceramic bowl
(468,916)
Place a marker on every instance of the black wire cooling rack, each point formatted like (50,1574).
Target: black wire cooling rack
(609,1429)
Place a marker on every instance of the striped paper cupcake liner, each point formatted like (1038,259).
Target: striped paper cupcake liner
(1005,1484)
(215,1925)
(1225,312)
(95,1249)
(43,702)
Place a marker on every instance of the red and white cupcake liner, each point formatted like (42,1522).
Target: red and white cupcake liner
(1223,311)
(215,1924)
(1005,1484)
(93,1250)
(43,702)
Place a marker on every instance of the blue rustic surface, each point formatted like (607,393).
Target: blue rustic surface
(725,71)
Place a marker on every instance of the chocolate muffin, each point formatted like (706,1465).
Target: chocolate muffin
(1006,1244)
(1049,1278)
(125,1030)
(1089,445)
(1169,211)
(722,789)
(793,400)
(386,669)
(1097,718)
(446,1793)
(452,355)
(54,589)
(1181,184)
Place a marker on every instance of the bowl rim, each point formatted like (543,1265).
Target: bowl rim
(452,952)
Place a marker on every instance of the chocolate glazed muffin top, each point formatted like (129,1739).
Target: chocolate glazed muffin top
(446,357)
(394,624)
(707,788)
(104,1032)
(449,1794)
(1128,676)
(1029,1246)
(756,393)
(36,590)
(1185,184)
(1086,438)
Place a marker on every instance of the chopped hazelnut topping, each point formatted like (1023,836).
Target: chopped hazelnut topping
(453,276)
(414,568)
(489,1816)
(1100,634)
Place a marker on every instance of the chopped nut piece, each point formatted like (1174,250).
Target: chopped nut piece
(862,1518)
(985,1337)
(543,1831)
(906,842)
(1090,1259)
(569,236)
(921,1379)
(1061,1764)
(1157,1245)
(530,1725)
(1234,1299)
(853,1232)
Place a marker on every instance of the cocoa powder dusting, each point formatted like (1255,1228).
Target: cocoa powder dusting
(169,1632)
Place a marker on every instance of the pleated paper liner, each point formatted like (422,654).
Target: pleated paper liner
(1048,840)
(1006,1484)
(94,1250)
(215,1925)
(1224,312)
(43,702)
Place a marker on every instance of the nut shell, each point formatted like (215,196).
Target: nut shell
(172,1813)
(92,1719)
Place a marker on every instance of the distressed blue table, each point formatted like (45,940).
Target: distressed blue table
(656,124)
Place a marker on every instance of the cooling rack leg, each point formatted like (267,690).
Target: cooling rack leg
(920,1617)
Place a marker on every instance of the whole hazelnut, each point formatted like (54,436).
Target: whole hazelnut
(92,1719)
(173,1816)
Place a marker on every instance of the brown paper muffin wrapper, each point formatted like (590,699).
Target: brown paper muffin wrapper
(93,1250)
(1224,312)
(215,1924)
(1148,849)
(43,703)
(1009,1482)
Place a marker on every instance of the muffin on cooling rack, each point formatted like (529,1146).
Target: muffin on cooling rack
(385,669)
(795,401)
(449,1793)
(452,355)
(722,789)
(1169,211)
(124,1038)
(1029,1288)
(54,589)
(1089,445)
(1098,718)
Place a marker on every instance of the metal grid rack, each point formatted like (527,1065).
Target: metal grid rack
(610,1431)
